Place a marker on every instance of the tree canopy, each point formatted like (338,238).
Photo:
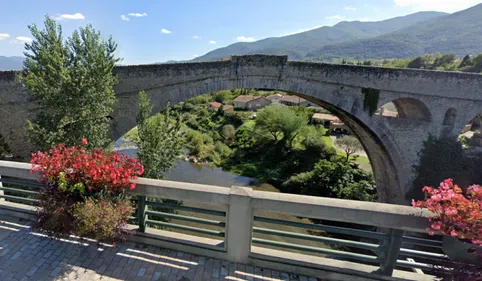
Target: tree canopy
(350,145)
(159,140)
(281,123)
(72,82)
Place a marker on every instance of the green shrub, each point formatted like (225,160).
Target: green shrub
(103,219)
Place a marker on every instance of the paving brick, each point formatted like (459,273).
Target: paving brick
(26,256)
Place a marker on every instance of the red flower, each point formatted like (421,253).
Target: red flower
(98,170)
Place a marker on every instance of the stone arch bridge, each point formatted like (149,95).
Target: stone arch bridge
(428,102)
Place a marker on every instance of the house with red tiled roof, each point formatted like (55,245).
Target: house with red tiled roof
(216,105)
(251,102)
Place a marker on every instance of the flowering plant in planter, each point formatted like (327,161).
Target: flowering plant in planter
(86,191)
(455,215)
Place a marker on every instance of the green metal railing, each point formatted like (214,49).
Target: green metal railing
(20,190)
(146,217)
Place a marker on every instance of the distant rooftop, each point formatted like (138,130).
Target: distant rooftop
(292,99)
(246,98)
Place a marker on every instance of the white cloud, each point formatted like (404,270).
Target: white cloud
(4,36)
(137,15)
(21,39)
(212,42)
(195,55)
(196,37)
(165,31)
(123,17)
(366,19)
(448,6)
(245,39)
(350,8)
(76,16)
(336,17)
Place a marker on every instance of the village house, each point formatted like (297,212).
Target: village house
(338,127)
(331,122)
(274,98)
(216,105)
(323,118)
(251,102)
(293,100)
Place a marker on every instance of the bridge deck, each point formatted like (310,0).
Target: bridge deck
(26,255)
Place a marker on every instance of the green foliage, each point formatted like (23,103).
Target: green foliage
(159,141)
(65,186)
(222,150)
(245,137)
(440,158)
(281,123)
(333,179)
(350,145)
(229,134)
(72,82)
(4,149)
(370,102)
(103,219)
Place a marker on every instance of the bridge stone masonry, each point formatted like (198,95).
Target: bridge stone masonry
(428,102)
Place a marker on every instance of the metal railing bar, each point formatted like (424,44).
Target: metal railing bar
(332,241)
(333,229)
(22,183)
(186,208)
(188,228)
(421,254)
(333,253)
(187,218)
(21,199)
(422,242)
(16,190)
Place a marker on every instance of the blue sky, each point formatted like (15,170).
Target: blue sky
(149,31)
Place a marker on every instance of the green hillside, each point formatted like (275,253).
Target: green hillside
(459,33)
(296,46)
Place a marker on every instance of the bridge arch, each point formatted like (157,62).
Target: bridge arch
(344,101)
(408,108)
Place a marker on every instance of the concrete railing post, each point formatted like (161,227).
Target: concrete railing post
(239,226)
(392,250)
(1,191)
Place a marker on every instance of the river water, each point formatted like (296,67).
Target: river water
(193,172)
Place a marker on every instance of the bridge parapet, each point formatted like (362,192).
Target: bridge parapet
(242,220)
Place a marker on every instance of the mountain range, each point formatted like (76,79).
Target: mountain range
(11,63)
(298,45)
(401,37)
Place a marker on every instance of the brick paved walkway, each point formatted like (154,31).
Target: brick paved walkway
(25,255)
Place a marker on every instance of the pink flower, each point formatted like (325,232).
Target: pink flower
(435,226)
(451,211)
(454,233)
(84,141)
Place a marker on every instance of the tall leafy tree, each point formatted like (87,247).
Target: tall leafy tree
(72,82)
(159,140)
(280,121)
